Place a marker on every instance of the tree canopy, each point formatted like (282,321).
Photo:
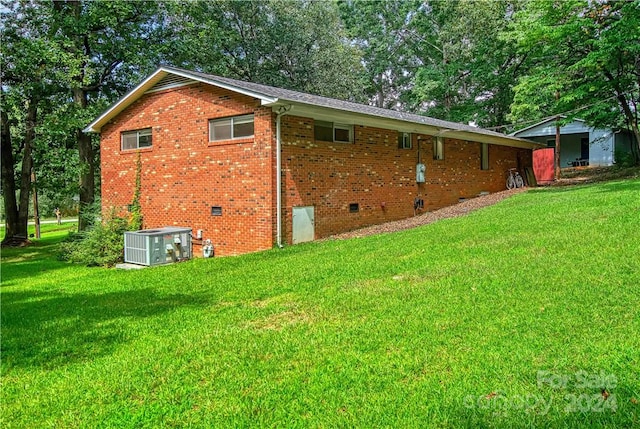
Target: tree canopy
(586,62)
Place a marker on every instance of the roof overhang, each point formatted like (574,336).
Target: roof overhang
(309,110)
(150,82)
(354,118)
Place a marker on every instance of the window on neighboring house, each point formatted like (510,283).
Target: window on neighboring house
(231,128)
(438,147)
(404,140)
(332,132)
(137,139)
(484,156)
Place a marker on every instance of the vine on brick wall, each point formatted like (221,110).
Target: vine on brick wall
(135,219)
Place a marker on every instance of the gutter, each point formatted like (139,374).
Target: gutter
(283,110)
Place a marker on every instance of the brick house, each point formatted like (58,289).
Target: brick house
(253,166)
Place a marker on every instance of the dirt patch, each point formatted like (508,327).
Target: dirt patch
(570,177)
(456,210)
(583,175)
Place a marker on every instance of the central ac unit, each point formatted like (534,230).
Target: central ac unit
(157,246)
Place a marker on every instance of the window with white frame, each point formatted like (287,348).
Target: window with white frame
(484,156)
(136,139)
(235,127)
(404,140)
(332,132)
(438,147)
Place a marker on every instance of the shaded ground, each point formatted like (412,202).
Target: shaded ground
(580,175)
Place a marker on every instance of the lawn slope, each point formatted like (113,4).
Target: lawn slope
(526,313)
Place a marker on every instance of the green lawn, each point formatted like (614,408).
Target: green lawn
(517,315)
(46,228)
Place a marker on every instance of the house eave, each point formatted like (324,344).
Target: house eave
(353,118)
(348,113)
(148,84)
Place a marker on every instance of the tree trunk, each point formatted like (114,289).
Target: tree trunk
(17,212)
(85,150)
(556,154)
(8,182)
(87,166)
(635,146)
(629,115)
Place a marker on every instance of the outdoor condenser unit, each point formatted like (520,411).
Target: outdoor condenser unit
(157,246)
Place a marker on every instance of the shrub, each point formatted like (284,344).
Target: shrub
(101,245)
(624,159)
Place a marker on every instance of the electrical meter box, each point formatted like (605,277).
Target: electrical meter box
(157,246)
(420,173)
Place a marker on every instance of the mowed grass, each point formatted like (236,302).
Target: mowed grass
(46,228)
(518,315)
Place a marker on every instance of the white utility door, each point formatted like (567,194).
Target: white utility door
(303,224)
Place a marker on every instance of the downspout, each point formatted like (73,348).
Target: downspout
(283,110)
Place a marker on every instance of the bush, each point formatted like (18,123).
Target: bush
(101,245)
(624,159)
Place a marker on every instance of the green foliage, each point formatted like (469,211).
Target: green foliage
(292,44)
(70,60)
(135,219)
(624,159)
(396,330)
(468,69)
(444,58)
(100,245)
(586,59)
(385,34)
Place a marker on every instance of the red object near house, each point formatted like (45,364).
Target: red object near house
(543,165)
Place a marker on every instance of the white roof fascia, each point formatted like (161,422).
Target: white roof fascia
(148,83)
(264,99)
(126,100)
(544,121)
(352,118)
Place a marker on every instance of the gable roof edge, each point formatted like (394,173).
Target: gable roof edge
(544,121)
(139,90)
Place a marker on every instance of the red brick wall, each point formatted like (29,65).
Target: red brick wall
(183,175)
(458,175)
(373,172)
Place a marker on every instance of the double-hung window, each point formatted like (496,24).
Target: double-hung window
(236,127)
(332,132)
(137,139)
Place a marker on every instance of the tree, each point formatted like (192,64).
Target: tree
(385,33)
(66,61)
(293,44)
(588,54)
(468,70)
(110,42)
(26,64)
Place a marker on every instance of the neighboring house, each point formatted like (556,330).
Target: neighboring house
(580,145)
(253,166)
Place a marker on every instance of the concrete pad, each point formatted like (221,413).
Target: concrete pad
(127,266)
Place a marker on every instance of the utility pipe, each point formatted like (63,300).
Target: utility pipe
(283,110)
